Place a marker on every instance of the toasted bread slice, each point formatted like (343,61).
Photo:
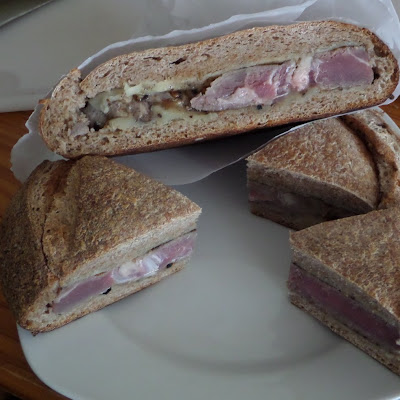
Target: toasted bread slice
(144,101)
(384,144)
(346,274)
(77,229)
(320,171)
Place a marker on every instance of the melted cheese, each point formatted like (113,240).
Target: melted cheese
(161,116)
(102,100)
(152,87)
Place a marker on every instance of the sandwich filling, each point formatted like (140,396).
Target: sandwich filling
(292,204)
(344,309)
(156,260)
(258,86)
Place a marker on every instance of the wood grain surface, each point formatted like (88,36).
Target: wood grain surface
(16,376)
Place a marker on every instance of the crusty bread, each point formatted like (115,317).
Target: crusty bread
(197,63)
(358,256)
(379,353)
(21,232)
(384,145)
(323,160)
(75,219)
(350,162)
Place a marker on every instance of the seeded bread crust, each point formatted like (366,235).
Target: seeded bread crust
(379,353)
(197,62)
(75,219)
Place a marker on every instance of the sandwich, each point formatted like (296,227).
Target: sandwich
(381,136)
(346,274)
(326,169)
(82,234)
(246,80)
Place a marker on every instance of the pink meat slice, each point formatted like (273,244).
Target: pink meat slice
(71,296)
(141,268)
(156,260)
(343,308)
(263,85)
(291,202)
(246,87)
(260,192)
(344,67)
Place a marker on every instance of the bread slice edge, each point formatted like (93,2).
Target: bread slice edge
(388,359)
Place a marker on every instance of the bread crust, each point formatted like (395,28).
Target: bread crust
(350,162)
(21,231)
(385,357)
(367,268)
(75,219)
(198,61)
(384,145)
(323,160)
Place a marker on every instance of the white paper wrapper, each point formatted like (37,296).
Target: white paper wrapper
(192,163)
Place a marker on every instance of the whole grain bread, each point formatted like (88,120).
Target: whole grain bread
(379,353)
(349,162)
(322,160)
(196,63)
(76,219)
(384,144)
(359,256)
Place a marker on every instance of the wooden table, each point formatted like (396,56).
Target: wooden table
(16,376)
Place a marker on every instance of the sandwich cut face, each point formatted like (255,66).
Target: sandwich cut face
(346,274)
(80,235)
(326,170)
(265,76)
(319,172)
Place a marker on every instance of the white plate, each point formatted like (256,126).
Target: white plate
(223,328)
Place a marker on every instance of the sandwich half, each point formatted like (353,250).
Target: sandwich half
(325,170)
(256,78)
(383,142)
(80,235)
(346,274)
